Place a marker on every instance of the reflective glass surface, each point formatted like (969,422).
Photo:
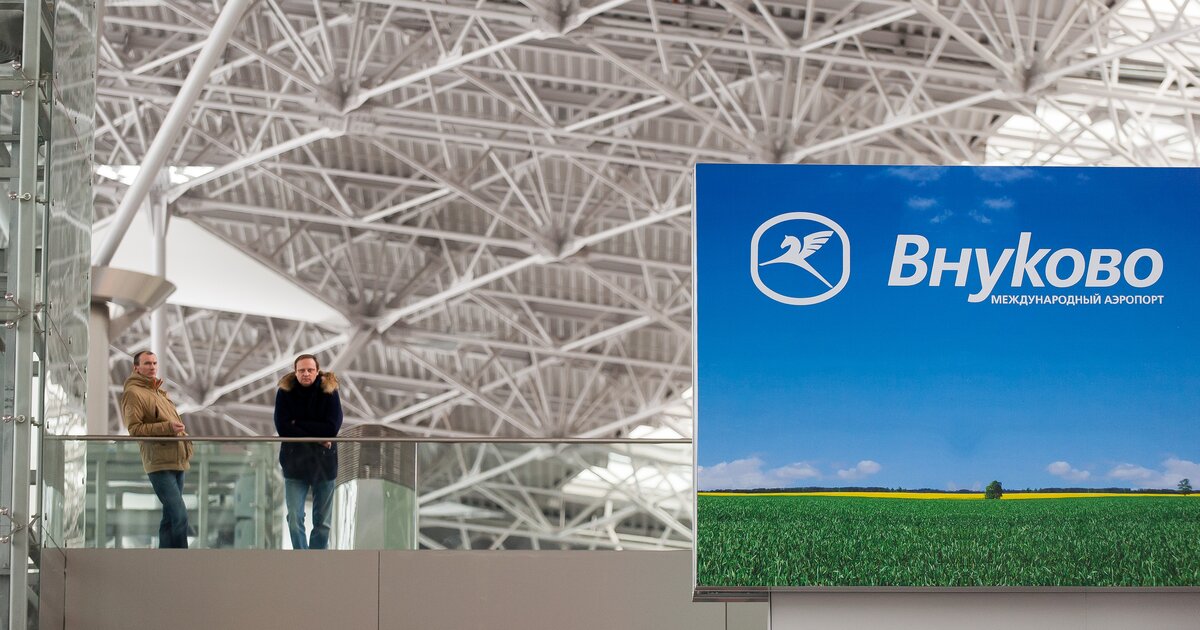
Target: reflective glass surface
(404,495)
(68,265)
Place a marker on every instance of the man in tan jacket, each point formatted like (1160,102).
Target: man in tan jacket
(148,412)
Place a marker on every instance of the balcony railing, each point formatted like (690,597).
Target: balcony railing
(390,493)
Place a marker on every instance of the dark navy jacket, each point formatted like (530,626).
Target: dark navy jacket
(313,411)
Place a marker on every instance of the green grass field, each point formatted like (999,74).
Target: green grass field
(845,541)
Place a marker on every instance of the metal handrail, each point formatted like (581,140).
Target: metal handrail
(369,440)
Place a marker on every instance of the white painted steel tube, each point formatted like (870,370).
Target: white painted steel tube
(156,157)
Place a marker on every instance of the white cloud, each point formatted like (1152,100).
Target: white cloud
(799,470)
(941,217)
(741,473)
(921,203)
(862,469)
(1066,471)
(1177,469)
(1173,469)
(1004,175)
(748,473)
(981,217)
(1003,203)
(1129,472)
(918,174)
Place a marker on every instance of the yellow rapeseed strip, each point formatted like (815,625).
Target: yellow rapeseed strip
(1082,495)
(938,495)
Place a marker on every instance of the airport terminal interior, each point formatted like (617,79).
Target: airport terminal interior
(479,215)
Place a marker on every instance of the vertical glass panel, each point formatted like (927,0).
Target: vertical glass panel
(375,502)
(8,147)
(555,496)
(233,493)
(9,126)
(67,266)
(6,447)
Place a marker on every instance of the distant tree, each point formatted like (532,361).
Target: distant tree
(1185,486)
(993,491)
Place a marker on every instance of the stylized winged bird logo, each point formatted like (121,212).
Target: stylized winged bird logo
(797,254)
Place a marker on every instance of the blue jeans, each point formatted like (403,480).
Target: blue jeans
(295,491)
(173,530)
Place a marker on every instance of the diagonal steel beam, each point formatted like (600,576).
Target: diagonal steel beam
(449,397)
(156,156)
(1047,79)
(278,363)
(749,19)
(931,13)
(899,121)
(686,103)
(448,62)
(255,158)
(534,454)
(389,319)
(190,205)
(472,392)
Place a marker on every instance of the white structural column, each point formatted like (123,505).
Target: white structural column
(22,274)
(160,218)
(98,371)
(156,157)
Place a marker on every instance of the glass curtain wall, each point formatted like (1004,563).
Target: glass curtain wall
(47,103)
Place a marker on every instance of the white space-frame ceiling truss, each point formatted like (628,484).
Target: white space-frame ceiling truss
(495,196)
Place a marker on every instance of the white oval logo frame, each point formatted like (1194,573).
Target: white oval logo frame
(793,216)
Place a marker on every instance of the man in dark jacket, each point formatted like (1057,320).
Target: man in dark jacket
(307,405)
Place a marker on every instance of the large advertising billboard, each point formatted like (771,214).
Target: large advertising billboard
(947,377)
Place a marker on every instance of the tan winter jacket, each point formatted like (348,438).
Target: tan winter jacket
(148,412)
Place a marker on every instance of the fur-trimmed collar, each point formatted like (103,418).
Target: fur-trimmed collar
(328,380)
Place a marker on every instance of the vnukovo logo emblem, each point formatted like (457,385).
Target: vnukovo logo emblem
(791,274)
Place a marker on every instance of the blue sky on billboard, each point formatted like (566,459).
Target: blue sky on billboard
(954,352)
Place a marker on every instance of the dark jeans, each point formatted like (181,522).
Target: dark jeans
(173,530)
(295,494)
